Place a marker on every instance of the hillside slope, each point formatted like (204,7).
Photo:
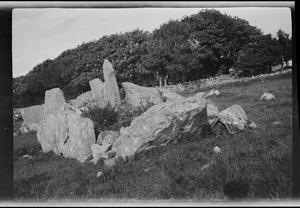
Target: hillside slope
(253,164)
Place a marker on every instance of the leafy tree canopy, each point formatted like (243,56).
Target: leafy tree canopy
(196,47)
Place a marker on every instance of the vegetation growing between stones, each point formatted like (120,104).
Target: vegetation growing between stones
(110,118)
(253,164)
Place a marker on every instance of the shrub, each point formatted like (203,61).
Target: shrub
(103,118)
(110,118)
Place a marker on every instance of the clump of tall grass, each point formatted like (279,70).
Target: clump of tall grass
(113,118)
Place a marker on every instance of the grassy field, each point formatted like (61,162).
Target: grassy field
(255,164)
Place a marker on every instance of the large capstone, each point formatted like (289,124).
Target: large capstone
(112,92)
(66,133)
(160,124)
(140,96)
(167,95)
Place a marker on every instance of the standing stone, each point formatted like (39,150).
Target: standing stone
(53,98)
(98,89)
(66,133)
(112,93)
(33,115)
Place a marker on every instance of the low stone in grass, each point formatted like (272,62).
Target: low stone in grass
(234,116)
(110,162)
(217,149)
(98,152)
(252,125)
(267,96)
(99,174)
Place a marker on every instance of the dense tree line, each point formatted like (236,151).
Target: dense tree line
(198,46)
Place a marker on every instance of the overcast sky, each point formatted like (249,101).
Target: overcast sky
(40,34)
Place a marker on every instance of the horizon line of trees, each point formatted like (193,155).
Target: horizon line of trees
(198,46)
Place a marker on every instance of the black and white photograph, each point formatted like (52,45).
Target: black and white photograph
(159,104)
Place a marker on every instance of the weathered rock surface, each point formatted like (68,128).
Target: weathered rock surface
(217,149)
(252,125)
(66,133)
(267,96)
(33,115)
(98,152)
(159,124)
(140,96)
(87,97)
(86,100)
(112,92)
(110,162)
(24,129)
(107,137)
(98,89)
(201,94)
(235,116)
(211,93)
(53,98)
(212,111)
(168,95)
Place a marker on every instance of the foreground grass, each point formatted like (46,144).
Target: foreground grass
(254,164)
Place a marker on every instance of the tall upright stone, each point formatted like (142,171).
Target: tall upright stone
(112,93)
(66,133)
(98,89)
(53,98)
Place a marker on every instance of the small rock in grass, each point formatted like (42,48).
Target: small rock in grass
(110,162)
(147,169)
(252,125)
(276,123)
(267,96)
(99,174)
(27,156)
(205,167)
(216,149)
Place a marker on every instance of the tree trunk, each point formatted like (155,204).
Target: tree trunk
(165,80)
(160,82)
